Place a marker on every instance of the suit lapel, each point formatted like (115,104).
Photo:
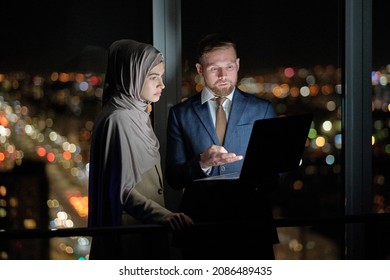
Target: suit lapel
(238,109)
(203,113)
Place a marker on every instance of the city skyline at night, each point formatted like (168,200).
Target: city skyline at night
(51,83)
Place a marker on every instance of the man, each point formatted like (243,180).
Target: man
(195,150)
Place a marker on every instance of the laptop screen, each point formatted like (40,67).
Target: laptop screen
(276,145)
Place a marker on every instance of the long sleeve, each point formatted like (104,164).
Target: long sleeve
(145,202)
(181,157)
(143,209)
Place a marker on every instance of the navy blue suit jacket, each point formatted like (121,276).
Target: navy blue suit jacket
(191,131)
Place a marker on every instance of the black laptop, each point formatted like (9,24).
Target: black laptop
(276,145)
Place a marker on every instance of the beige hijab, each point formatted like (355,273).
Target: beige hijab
(124,145)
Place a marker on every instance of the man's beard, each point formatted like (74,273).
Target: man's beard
(222,91)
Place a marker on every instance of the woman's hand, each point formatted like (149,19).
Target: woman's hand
(178,221)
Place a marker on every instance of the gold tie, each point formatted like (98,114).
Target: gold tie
(220,124)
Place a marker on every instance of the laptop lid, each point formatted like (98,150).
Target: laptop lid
(276,145)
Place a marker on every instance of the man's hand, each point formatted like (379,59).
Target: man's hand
(217,155)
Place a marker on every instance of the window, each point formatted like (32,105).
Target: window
(53,60)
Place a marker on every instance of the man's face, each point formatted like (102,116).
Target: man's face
(219,69)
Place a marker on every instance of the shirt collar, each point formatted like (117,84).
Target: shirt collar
(207,95)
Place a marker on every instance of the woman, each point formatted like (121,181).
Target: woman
(125,178)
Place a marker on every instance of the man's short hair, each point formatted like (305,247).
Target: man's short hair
(214,41)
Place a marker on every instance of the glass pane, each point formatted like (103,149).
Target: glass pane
(381,108)
(53,59)
(291,56)
(381,123)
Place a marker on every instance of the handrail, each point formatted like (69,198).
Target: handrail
(280,222)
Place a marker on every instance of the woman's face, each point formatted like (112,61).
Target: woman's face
(153,84)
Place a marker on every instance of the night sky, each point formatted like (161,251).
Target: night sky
(54,34)
(47,35)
